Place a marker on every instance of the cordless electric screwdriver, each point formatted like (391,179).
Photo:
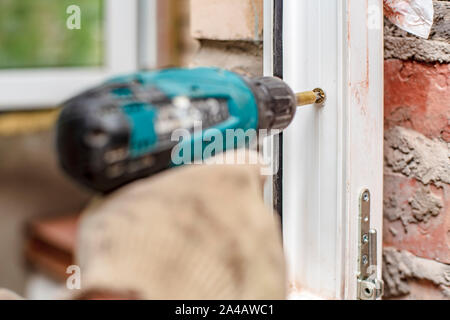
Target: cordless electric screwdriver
(122,130)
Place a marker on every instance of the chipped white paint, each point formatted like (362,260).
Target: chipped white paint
(331,153)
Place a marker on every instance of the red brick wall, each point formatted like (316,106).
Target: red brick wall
(417,164)
(230,34)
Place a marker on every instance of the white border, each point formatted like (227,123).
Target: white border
(37,88)
(331,153)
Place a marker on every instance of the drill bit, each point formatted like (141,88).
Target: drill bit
(316,96)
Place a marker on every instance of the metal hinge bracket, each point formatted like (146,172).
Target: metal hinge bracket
(369,286)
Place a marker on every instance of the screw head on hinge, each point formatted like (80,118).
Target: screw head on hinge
(365,260)
(366,196)
(365,238)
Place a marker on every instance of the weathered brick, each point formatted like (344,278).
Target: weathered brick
(412,154)
(417,174)
(417,194)
(417,96)
(239,56)
(405,274)
(227,20)
(416,217)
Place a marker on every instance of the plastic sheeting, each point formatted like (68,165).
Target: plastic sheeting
(414,16)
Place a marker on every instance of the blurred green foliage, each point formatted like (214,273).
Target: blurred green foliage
(33,34)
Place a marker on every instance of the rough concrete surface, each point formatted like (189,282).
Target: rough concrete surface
(401,267)
(412,154)
(416,194)
(441,27)
(239,56)
(416,49)
(421,207)
(416,217)
(425,205)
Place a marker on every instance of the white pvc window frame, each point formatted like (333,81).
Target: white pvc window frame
(332,153)
(43,88)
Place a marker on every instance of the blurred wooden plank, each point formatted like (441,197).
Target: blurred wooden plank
(51,244)
(59,233)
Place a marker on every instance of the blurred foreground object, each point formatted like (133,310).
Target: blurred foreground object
(9,295)
(15,123)
(413,16)
(50,245)
(35,35)
(196,232)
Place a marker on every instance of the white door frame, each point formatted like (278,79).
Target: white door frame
(332,153)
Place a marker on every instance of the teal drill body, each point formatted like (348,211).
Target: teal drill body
(197,84)
(126,128)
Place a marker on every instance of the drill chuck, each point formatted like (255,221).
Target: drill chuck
(276,102)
